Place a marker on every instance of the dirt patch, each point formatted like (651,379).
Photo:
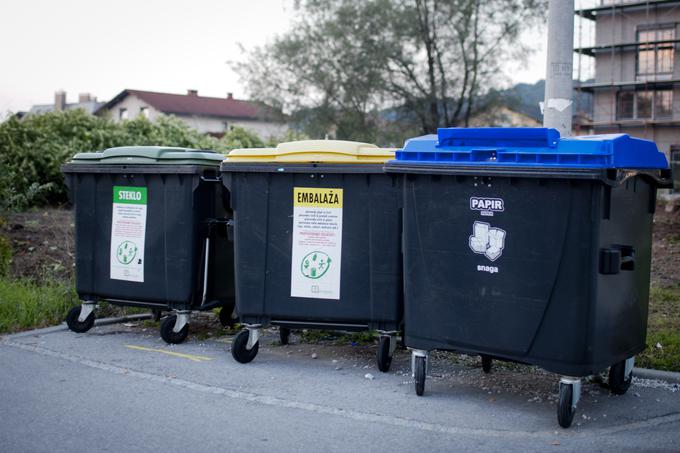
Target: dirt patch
(42,244)
(666,248)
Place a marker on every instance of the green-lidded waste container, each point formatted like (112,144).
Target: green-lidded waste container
(151,231)
(317,234)
(524,246)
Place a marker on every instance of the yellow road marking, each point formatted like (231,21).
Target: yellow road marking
(192,357)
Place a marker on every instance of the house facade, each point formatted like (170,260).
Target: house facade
(208,115)
(636,89)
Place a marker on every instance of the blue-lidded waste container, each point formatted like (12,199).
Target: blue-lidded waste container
(524,246)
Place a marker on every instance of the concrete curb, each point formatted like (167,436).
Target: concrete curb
(107,321)
(63,326)
(646,373)
(43,331)
(643,373)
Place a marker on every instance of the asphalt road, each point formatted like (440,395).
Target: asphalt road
(121,388)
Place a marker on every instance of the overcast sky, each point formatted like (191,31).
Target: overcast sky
(104,46)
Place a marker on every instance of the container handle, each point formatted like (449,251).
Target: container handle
(217,178)
(617,258)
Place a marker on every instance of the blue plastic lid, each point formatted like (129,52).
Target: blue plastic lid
(531,147)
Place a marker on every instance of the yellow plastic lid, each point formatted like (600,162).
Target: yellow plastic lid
(321,151)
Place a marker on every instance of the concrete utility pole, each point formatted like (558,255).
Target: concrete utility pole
(558,101)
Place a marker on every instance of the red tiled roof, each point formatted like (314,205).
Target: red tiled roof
(192,104)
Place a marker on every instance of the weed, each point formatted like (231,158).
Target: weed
(663,330)
(25,304)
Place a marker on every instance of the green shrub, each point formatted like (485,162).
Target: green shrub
(32,150)
(5,256)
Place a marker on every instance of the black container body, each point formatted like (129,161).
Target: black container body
(371,289)
(569,290)
(181,200)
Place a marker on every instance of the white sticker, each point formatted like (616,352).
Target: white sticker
(487,206)
(317,243)
(486,240)
(128,233)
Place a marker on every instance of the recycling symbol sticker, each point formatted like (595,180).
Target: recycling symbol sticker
(315,264)
(487,240)
(126,252)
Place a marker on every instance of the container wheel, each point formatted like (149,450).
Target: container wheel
(384,357)
(419,373)
(565,408)
(226,316)
(77,326)
(168,335)
(238,348)
(284,335)
(156,315)
(486,363)
(618,382)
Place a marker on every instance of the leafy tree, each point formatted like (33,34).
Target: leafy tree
(345,62)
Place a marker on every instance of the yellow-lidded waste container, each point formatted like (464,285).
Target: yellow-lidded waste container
(317,234)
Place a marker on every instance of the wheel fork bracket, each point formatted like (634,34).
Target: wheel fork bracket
(181,321)
(576,388)
(85,309)
(392,339)
(630,363)
(253,337)
(418,353)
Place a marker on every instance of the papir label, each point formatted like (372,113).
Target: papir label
(487,204)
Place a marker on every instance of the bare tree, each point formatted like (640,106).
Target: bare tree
(427,61)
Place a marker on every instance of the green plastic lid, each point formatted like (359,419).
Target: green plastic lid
(162,155)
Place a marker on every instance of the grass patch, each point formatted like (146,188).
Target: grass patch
(663,328)
(25,304)
(356,339)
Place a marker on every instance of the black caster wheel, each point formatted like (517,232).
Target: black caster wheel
(565,408)
(77,326)
(384,357)
(618,382)
(226,316)
(168,335)
(284,335)
(486,363)
(420,375)
(156,315)
(238,348)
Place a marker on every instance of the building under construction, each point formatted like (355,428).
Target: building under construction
(636,82)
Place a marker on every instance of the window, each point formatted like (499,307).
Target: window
(625,105)
(663,104)
(655,59)
(644,104)
(122,114)
(675,167)
(144,111)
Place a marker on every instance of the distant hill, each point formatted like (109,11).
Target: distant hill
(525,98)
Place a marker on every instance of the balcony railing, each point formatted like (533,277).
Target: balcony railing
(609,6)
(621,47)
